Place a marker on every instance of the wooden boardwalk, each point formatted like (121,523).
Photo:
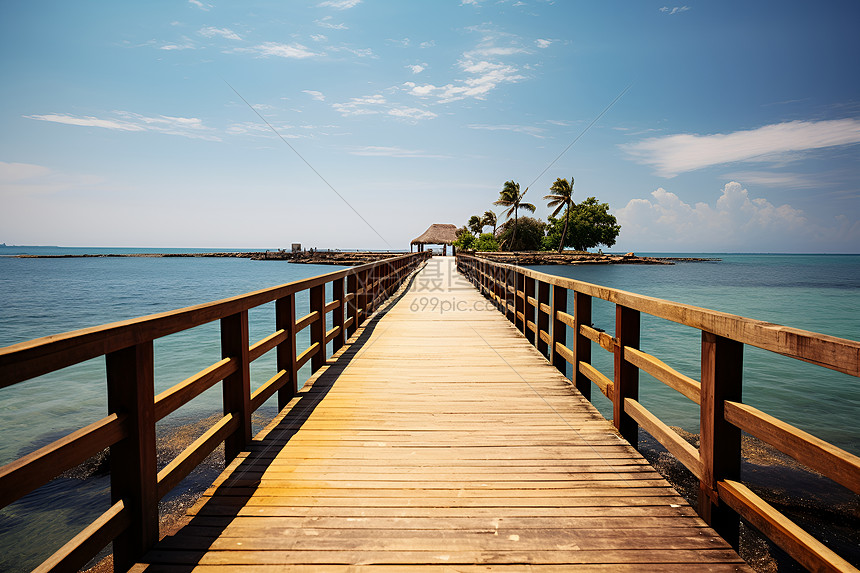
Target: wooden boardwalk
(440,439)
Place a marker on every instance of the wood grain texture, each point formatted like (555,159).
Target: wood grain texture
(441,440)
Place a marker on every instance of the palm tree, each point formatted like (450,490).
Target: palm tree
(563,197)
(476,224)
(489,219)
(511,197)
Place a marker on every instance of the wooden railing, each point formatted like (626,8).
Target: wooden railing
(537,304)
(131,523)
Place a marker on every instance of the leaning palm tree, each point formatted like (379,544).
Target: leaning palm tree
(489,219)
(511,197)
(563,197)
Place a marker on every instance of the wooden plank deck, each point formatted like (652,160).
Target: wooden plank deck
(441,440)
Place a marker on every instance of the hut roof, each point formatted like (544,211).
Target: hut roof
(437,234)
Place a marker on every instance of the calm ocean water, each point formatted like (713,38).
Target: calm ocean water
(49,296)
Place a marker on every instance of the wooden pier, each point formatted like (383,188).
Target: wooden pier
(441,438)
(437,431)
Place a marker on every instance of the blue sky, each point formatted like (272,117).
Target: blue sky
(739,131)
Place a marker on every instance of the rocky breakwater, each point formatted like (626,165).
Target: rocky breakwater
(580,258)
(325,257)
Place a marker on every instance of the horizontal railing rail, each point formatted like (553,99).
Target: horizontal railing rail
(537,304)
(131,522)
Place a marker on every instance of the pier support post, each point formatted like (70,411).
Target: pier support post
(133,476)
(581,345)
(719,441)
(626,384)
(285,318)
(236,387)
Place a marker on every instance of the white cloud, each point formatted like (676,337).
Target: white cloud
(191,127)
(735,222)
(674,10)
(318,96)
(326,23)
(680,153)
(319,37)
(417,68)
(226,33)
(339,4)
(293,51)
(527,129)
(201,5)
(541,43)
(378,151)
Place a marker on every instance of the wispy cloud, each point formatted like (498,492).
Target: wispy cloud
(378,105)
(28,179)
(412,113)
(327,23)
(212,32)
(201,5)
(376,151)
(417,68)
(187,44)
(674,10)
(128,121)
(366,105)
(674,154)
(527,129)
(339,4)
(318,96)
(484,76)
(542,43)
(781,179)
(274,49)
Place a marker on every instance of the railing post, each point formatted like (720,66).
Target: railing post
(317,304)
(337,316)
(236,387)
(520,303)
(626,384)
(352,305)
(559,329)
(581,345)
(719,441)
(285,318)
(529,309)
(133,476)
(511,281)
(542,317)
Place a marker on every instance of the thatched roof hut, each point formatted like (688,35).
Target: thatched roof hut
(436,234)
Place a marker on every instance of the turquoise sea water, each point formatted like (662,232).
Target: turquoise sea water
(49,296)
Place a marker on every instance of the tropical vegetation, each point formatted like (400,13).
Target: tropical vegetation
(581,226)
